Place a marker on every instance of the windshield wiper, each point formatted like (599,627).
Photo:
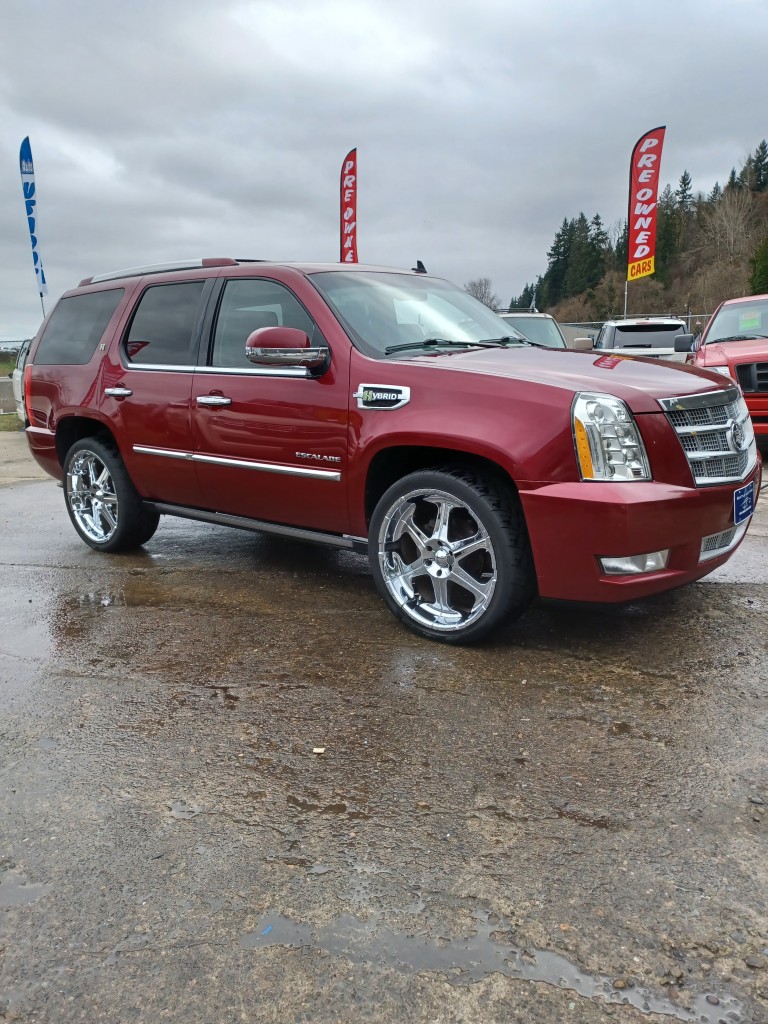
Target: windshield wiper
(512,339)
(736,337)
(434,342)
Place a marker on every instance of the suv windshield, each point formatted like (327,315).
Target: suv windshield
(739,322)
(385,311)
(540,329)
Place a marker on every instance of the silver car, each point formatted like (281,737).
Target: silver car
(17,376)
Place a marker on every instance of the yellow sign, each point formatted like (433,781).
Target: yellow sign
(642,268)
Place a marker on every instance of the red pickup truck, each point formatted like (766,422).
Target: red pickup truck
(391,413)
(735,343)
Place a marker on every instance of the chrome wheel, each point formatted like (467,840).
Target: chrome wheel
(92,498)
(437,560)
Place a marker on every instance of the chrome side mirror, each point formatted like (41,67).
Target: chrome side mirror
(285,346)
(583,344)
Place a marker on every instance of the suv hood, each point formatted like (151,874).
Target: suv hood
(637,381)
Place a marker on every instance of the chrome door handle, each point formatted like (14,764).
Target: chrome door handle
(118,392)
(213,400)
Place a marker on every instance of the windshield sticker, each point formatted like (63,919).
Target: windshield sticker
(381,396)
(749,321)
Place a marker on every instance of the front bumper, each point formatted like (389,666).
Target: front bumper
(572,525)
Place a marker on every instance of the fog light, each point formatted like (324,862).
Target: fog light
(632,565)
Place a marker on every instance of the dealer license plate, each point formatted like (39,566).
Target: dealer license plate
(743,503)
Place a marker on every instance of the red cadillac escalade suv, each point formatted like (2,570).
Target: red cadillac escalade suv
(391,413)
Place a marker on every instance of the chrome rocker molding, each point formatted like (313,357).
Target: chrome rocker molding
(261,467)
(358,544)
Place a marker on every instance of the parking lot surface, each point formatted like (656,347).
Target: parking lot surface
(233,788)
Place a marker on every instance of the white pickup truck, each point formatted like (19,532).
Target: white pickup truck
(652,337)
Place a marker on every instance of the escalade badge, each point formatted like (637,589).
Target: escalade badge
(318,458)
(382,396)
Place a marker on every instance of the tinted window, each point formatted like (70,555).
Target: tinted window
(249,305)
(162,329)
(646,335)
(76,327)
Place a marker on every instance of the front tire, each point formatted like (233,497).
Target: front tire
(450,555)
(104,506)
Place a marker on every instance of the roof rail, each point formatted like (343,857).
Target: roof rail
(161,268)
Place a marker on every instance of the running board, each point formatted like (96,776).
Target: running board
(359,544)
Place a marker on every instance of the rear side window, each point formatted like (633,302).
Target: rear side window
(162,329)
(76,327)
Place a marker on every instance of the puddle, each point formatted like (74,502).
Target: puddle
(15,891)
(340,808)
(181,809)
(47,743)
(470,958)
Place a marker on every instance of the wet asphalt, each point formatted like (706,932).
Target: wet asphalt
(234,788)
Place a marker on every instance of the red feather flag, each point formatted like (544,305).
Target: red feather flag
(643,195)
(348,208)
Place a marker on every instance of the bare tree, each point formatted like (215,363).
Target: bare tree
(729,228)
(482,289)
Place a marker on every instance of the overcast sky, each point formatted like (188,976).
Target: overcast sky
(167,129)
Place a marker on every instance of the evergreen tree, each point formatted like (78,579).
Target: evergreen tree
(760,167)
(622,248)
(715,195)
(683,210)
(553,282)
(747,175)
(577,276)
(667,233)
(733,181)
(684,195)
(599,250)
(525,299)
(759,279)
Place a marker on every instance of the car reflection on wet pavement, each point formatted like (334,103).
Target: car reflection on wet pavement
(234,788)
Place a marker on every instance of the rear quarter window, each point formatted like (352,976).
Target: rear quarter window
(76,327)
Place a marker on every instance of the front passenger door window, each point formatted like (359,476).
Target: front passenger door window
(249,305)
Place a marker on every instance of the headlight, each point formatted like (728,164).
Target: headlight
(720,369)
(608,443)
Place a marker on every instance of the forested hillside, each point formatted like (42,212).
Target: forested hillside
(708,248)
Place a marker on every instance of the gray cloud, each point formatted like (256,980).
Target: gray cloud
(164,130)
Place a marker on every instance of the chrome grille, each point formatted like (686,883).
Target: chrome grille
(716,435)
(720,543)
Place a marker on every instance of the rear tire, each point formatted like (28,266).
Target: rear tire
(104,506)
(450,554)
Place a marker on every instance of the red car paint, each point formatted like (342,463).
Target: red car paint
(510,408)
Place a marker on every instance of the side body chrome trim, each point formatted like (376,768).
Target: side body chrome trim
(239,371)
(258,525)
(262,467)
